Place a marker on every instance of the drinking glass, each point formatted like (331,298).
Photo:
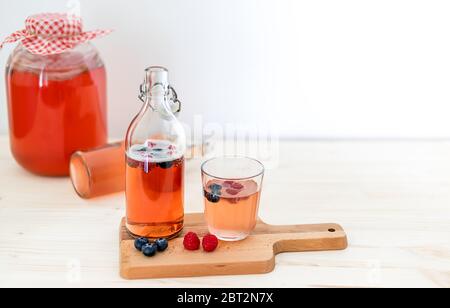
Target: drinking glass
(231,190)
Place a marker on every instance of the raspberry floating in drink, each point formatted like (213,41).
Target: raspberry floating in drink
(227,183)
(237,186)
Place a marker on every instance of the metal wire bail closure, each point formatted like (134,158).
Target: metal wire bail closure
(175,103)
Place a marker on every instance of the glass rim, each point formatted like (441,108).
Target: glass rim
(78,155)
(202,168)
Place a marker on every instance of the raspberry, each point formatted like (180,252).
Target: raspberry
(228,183)
(209,242)
(237,186)
(232,192)
(191,241)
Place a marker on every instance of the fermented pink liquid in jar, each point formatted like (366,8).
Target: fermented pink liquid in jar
(56,101)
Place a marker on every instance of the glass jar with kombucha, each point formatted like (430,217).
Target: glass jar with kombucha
(56,94)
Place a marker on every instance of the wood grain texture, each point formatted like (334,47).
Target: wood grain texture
(254,255)
(392,199)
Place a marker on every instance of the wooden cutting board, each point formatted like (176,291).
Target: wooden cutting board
(254,255)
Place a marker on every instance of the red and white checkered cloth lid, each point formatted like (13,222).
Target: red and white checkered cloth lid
(52,33)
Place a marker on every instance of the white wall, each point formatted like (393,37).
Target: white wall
(311,68)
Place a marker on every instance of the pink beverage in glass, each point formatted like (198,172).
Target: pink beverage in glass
(231,190)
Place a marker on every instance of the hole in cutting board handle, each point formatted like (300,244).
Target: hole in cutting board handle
(331,230)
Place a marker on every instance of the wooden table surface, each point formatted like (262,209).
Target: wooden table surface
(392,198)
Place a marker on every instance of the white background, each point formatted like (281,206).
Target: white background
(311,69)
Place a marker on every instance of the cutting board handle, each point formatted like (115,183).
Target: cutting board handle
(314,237)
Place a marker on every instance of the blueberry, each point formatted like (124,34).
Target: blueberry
(142,149)
(165,164)
(208,195)
(161,244)
(216,192)
(215,198)
(149,250)
(140,242)
(215,188)
(132,163)
(211,197)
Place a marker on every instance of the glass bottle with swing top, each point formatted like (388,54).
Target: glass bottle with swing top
(155,145)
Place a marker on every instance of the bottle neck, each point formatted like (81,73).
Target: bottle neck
(157,105)
(159,102)
(161,99)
